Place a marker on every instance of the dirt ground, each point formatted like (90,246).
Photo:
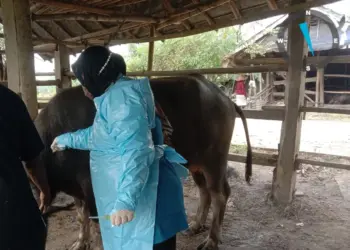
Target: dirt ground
(318,219)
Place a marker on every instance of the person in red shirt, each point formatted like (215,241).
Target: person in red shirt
(240,90)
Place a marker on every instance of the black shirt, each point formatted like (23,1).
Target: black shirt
(19,141)
(18,136)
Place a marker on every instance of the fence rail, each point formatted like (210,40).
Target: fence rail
(270,159)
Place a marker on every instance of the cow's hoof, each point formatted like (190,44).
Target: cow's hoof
(208,244)
(80,245)
(195,229)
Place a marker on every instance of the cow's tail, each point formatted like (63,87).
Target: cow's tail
(249,159)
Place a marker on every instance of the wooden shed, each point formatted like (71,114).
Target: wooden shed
(332,86)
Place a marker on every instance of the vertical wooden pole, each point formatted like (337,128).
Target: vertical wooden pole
(19,52)
(284,184)
(62,65)
(270,82)
(260,82)
(321,73)
(151,50)
(317,89)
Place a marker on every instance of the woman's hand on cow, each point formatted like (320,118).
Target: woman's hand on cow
(121,217)
(55,146)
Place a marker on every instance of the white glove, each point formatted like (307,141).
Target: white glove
(57,147)
(121,217)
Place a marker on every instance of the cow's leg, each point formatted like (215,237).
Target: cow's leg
(97,239)
(197,225)
(82,242)
(219,189)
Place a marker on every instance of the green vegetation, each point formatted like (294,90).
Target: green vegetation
(200,51)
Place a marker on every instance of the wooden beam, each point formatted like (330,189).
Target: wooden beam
(79,7)
(187,15)
(80,27)
(342,111)
(321,72)
(284,184)
(94,18)
(48,83)
(280,60)
(102,33)
(272,115)
(150,50)
(19,51)
(269,81)
(309,99)
(326,164)
(45,74)
(258,159)
(206,15)
(235,70)
(338,75)
(235,10)
(60,29)
(317,89)
(62,65)
(270,160)
(38,26)
(272,4)
(210,71)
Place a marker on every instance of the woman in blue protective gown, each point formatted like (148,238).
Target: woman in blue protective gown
(136,179)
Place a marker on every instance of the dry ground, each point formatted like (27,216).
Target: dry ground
(319,218)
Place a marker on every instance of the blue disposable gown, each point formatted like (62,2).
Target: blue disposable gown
(125,167)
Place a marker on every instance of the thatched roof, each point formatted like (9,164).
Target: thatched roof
(77,23)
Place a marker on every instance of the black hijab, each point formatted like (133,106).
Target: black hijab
(97,68)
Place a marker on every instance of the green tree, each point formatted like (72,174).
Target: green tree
(199,51)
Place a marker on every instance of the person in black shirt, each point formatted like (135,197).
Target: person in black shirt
(22,226)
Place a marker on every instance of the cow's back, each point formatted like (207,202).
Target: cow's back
(200,113)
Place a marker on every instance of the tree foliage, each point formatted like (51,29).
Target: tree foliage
(200,51)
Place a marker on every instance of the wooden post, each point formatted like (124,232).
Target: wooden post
(151,50)
(320,72)
(270,82)
(284,184)
(19,52)
(317,89)
(62,65)
(260,82)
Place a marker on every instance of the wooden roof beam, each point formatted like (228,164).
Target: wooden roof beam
(272,4)
(105,32)
(43,30)
(81,27)
(235,10)
(177,18)
(60,29)
(129,2)
(169,8)
(79,7)
(209,19)
(249,17)
(94,18)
